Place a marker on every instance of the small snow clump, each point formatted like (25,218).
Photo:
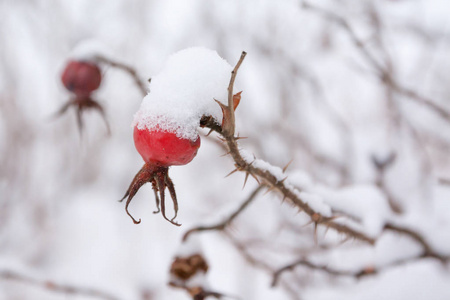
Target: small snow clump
(184,91)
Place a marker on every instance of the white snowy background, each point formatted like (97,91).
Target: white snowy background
(309,95)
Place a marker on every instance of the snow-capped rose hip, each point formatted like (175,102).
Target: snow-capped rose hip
(166,125)
(81,78)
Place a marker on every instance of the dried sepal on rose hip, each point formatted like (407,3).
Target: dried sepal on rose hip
(81,79)
(159,150)
(166,125)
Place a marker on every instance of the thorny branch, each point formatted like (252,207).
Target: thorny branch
(265,177)
(383,73)
(269,179)
(131,71)
(55,287)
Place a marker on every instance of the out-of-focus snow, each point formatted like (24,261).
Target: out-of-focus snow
(184,91)
(366,203)
(190,247)
(90,50)
(309,95)
(316,203)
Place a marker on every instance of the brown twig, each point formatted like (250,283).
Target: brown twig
(55,287)
(444,181)
(384,75)
(370,270)
(261,264)
(367,271)
(382,165)
(427,249)
(222,225)
(228,123)
(142,85)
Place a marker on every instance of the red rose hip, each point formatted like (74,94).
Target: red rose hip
(81,78)
(164,148)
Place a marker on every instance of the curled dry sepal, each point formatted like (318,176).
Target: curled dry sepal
(81,79)
(185,273)
(159,149)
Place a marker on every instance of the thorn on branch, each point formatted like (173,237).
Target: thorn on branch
(287,165)
(232,172)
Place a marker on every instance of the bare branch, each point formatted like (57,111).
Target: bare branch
(384,75)
(444,181)
(141,85)
(382,165)
(228,124)
(367,271)
(427,249)
(55,287)
(222,225)
(370,270)
(261,264)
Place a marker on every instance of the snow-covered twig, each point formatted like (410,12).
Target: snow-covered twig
(55,287)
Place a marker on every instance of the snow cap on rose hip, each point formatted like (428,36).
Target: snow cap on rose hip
(184,91)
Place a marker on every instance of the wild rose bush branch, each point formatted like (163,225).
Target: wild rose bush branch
(275,179)
(322,205)
(318,221)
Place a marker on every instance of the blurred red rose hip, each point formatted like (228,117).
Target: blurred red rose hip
(81,78)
